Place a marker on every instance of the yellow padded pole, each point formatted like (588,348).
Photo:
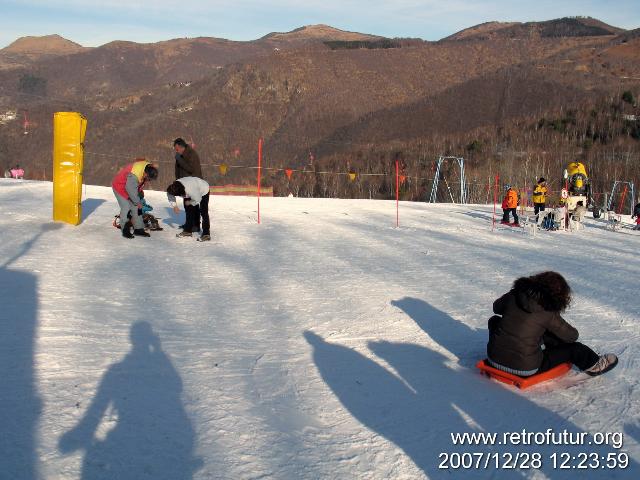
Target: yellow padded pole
(69,129)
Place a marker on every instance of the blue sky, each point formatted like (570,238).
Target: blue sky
(93,24)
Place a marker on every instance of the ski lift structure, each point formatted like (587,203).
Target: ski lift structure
(463,184)
(622,188)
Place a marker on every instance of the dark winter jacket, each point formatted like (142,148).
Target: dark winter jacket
(515,332)
(188,164)
(636,210)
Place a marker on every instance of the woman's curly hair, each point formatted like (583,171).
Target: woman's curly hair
(549,289)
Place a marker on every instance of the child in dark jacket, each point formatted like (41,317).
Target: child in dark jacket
(636,215)
(527,335)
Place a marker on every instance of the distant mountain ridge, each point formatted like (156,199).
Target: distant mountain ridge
(58,45)
(320,32)
(43,45)
(561,27)
(204,53)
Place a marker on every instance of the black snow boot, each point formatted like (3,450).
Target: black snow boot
(139,232)
(126,230)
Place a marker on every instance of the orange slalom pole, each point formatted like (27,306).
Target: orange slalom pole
(624,195)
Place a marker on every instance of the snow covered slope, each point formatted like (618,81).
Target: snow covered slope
(324,343)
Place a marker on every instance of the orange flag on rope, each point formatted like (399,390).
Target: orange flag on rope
(223,169)
(402,178)
(288,171)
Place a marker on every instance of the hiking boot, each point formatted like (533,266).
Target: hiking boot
(184,234)
(504,222)
(605,363)
(140,232)
(515,224)
(205,238)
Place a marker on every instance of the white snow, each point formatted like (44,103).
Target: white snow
(323,343)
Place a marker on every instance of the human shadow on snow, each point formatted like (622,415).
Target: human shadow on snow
(432,397)
(136,426)
(482,215)
(20,403)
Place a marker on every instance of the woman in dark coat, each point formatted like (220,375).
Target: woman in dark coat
(188,165)
(527,335)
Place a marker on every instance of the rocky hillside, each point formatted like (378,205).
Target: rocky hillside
(344,100)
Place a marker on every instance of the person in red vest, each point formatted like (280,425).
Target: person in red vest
(127,185)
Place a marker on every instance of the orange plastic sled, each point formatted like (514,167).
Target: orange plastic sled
(522,382)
